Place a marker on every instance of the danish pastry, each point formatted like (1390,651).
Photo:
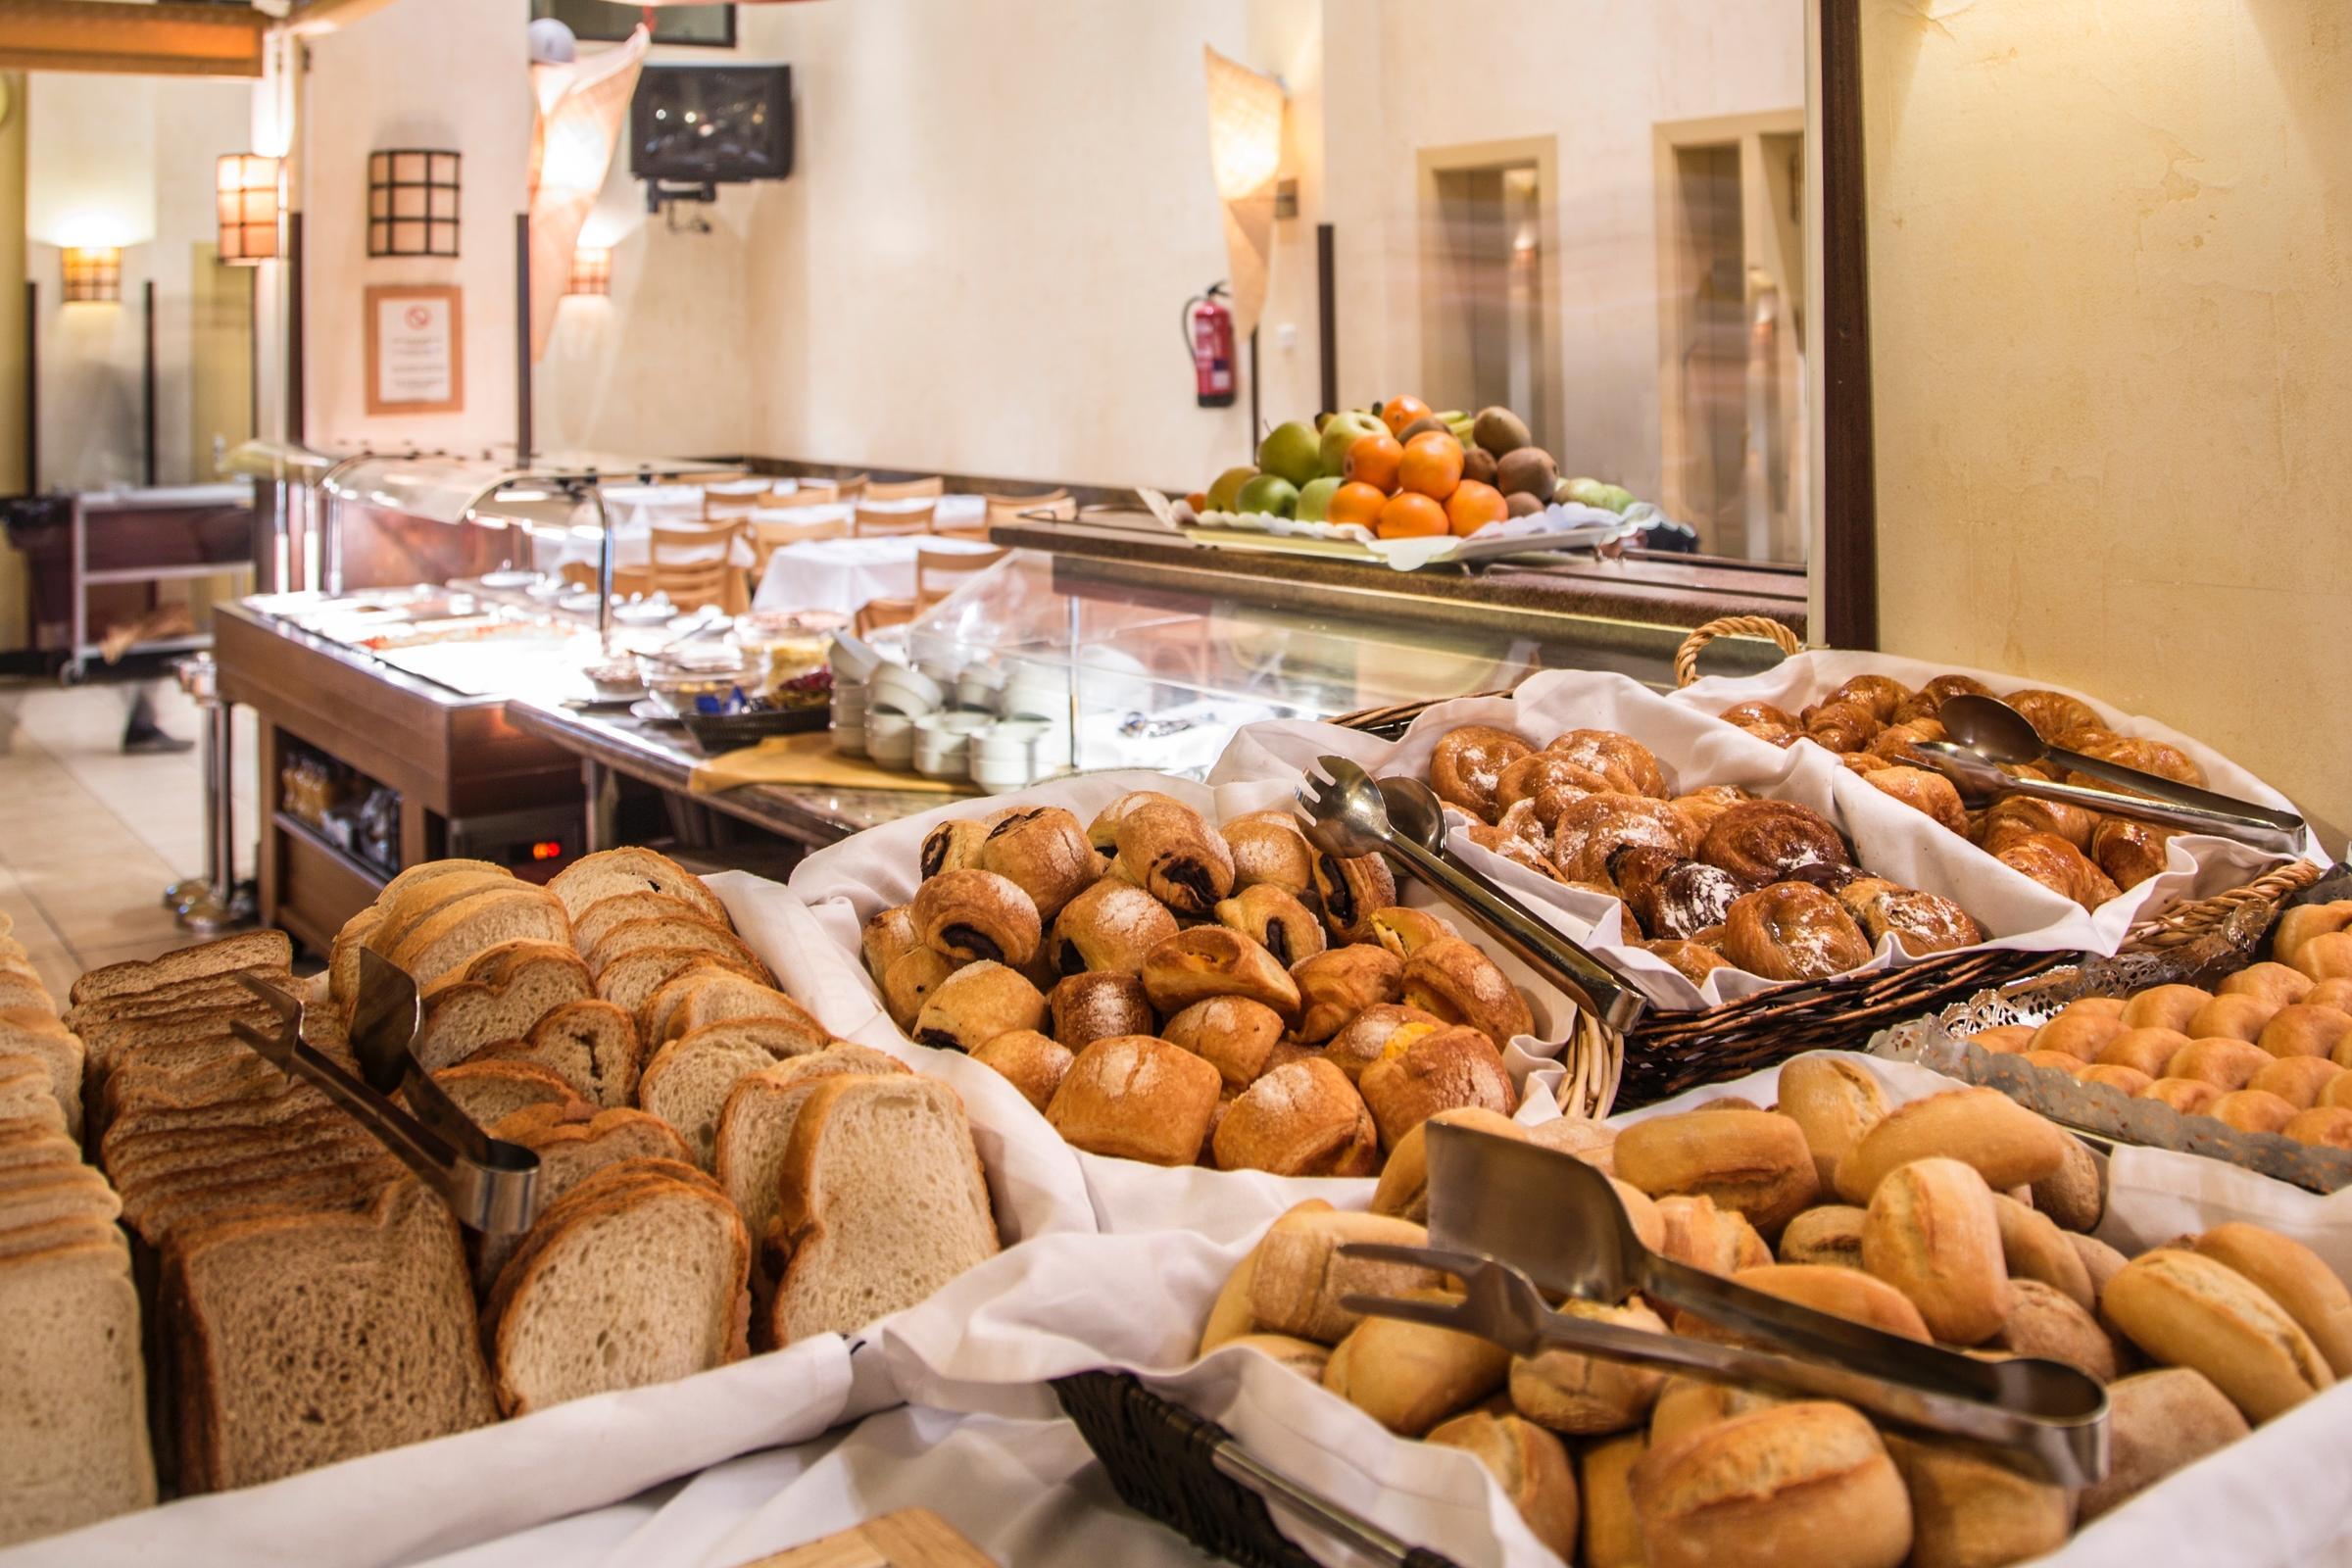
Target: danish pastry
(1351,890)
(1458,984)
(2057,865)
(910,981)
(952,846)
(1921,922)
(1762,842)
(1670,896)
(1516,848)
(1467,765)
(976,914)
(1764,721)
(1235,1034)
(1595,828)
(2053,714)
(1546,781)
(1111,925)
(1403,930)
(1932,795)
(1370,1033)
(1881,696)
(2129,852)
(1840,726)
(1629,765)
(976,1003)
(1302,1119)
(1275,922)
(1693,961)
(1092,1007)
(1170,851)
(1703,806)
(1209,960)
(1045,853)
(1269,850)
(1336,986)
(1789,931)
(1423,1074)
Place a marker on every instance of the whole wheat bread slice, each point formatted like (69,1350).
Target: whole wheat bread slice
(73,1444)
(462,1018)
(755,1129)
(272,951)
(707,997)
(591,1045)
(489,1092)
(883,1201)
(593,878)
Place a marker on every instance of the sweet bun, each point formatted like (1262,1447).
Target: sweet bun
(2056,865)
(1806,1481)
(2329,1125)
(976,1003)
(1133,1097)
(2158,1422)
(2083,1036)
(1369,1034)
(1932,795)
(2297,1080)
(952,846)
(1790,931)
(2327,957)
(1269,850)
(1170,851)
(1592,830)
(1334,987)
(1458,984)
(1275,920)
(2006,1143)
(2226,1063)
(2253,1111)
(1209,960)
(1931,1231)
(1043,850)
(1693,961)
(2047,1322)
(2233,1016)
(1235,1034)
(1111,925)
(2191,1097)
(1587,1396)
(2146,1051)
(1422,1073)
(1761,841)
(1466,767)
(972,914)
(1699,807)
(910,981)
(2187,1309)
(1920,922)
(1669,896)
(2053,714)
(1764,721)
(2169,1007)
(1529,1465)
(1834,1101)
(1404,931)
(1351,892)
(1719,1240)
(1971,1507)
(1754,1162)
(1303,1119)
(1092,1007)
(2301,1029)
(1031,1063)
(1546,783)
(1625,765)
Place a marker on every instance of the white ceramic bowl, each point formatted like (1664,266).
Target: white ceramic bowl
(1000,778)
(945,671)
(854,658)
(890,739)
(897,689)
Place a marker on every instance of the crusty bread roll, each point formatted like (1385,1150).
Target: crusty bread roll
(1133,1097)
(1299,1276)
(2006,1143)
(2145,1050)
(2158,1422)
(2164,1006)
(1931,1232)
(1720,1241)
(2187,1309)
(1588,1395)
(1753,1162)
(1031,1063)
(1403,1189)
(1831,1234)
(2293,1275)
(2034,1248)
(1303,1119)
(1229,1315)
(1410,1376)
(1612,1535)
(2191,1097)
(1530,1464)
(2074,1195)
(2252,1111)
(1420,1074)
(1805,1483)
(2047,1322)
(1970,1510)
(1686,1405)
(1844,1292)
(2100,1261)
(1833,1099)
(1593,1142)
(1302,1356)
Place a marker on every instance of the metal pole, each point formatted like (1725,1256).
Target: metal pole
(522,341)
(295,415)
(147,381)
(1327,317)
(604,570)
(1254,416)
(33,387)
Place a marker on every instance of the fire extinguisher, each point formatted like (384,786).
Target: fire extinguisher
(1208,334)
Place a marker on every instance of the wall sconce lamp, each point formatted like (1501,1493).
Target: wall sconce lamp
(245,190)
(591,271)
(411,202)
(93,275)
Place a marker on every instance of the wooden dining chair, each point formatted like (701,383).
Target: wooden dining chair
(788,494)
(627,580)
(696,567)
(905,489)
(720,506)
(769,536)
(876,613)
(940,572)
(851,488)
(811,493)
(1010,509)
(893,523)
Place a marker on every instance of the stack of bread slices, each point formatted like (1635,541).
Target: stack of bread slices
(74,1411)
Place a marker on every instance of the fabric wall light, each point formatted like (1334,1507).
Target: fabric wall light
(581,107)
(413,202)
(245,192)
(1244,152)
(93,275)
(591,271)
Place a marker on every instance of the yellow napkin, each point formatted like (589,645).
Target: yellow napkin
(809,758)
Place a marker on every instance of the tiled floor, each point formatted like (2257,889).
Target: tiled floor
(89,838)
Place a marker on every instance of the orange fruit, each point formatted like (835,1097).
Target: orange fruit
(1432,465)
(1198,501)
(1473,506)
(1407,514)
(1400,411)
(1357,503)
(1373,459)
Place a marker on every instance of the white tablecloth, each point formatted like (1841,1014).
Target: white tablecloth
(845,574)
(632,546)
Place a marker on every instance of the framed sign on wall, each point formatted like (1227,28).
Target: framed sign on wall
(416,348)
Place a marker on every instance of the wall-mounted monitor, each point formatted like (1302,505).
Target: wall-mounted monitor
(711,124)
(709,27)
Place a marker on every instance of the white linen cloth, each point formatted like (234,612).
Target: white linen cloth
(632,546)
(844,575)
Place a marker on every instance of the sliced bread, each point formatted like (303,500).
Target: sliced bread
(688,1081)
(272,951)
(74,1423)
(883,1201)
(591,1045)
(36,1148)
(462,1019)
(704,997)
(589,927)
(489,1092)
(21,988)
(493,964)
(60,1050)
(755,1128)
(452,936)
(631,980)
(36,1196)
(631,936)
(279,1375)
(609,873)
(570,1152)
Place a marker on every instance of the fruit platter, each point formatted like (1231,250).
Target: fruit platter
(1400,485)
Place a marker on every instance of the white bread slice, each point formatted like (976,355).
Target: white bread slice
(452,937)
(591,923)
(21,988)
(396,891)
(272,951)
(631,981)
(73,1422)
(24,1240)
(755,1128)
(570,1152)
(494,964)
(462,1019)
(279,1375)
(25,1099)
(688,1081)
(343,954)
(883,1201)
(631,936)
(36,1194)
(699,997)
(591,1045)
(62,1050)
(489,1092)
(400,911)
(34,1148)
(593,878)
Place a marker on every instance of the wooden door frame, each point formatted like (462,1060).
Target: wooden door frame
(1848,562)
(1544,153)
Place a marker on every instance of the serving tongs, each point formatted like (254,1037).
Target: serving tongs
(1348,814)
(1988,732)
(492,1185)
(1513,1220)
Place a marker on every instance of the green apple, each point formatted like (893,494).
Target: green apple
(1343,431)
(1293,451)
(1616,496)
(1227,488)
(1314,497)
(1587,492)
(1268,492)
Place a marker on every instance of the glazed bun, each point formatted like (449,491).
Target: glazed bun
(1467,765)
(1789,931)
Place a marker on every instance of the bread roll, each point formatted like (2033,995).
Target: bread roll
(2006,1143)
(1229,1315)
(1031,1063)
(1368,1036)
(1532,1467)
(1410,1376)
(2034,1248)
(1213,961)
(1299,1276)
(2147,1051)
(2101,1261)
(1336,986)
(2126,1081)
(2231,1017)
(2164,1006)
(1720,1241)
(2327,957)
(2081,1034)
(2158,1422)
(2305,922)
(1831,1234)
(1612,1535)
(2191,1097)
(1303,1119)
(2252,1111)
(1834,1101)
(1423,1074)
(1686,1405)
(1403,1189)
(1751,1162)
(2047,1322)
(1588,1395)
(2222,1060)
(2336,993)
(2187,1309)
(1931,1232)
(1133,1097)
(2275,983)
(2305,1030)
(1593,1142)
(2328,1125)
(1805,1483)
(2074,1195)
(2003,1040)
(1970,1510)
(2294,1277)
(1302,1356)
(1844,1292)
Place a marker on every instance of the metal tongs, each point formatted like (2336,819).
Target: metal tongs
(490,1185)
(1988,732)
(1346,814)
(1513,1220)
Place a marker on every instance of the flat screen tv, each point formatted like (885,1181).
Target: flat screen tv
(711,124)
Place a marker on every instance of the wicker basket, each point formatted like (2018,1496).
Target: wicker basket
(1162,1461)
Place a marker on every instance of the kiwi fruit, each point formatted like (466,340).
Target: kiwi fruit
(1478,464)
(1499,430)
(1520,504)
(1527,470)
(1422,426)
